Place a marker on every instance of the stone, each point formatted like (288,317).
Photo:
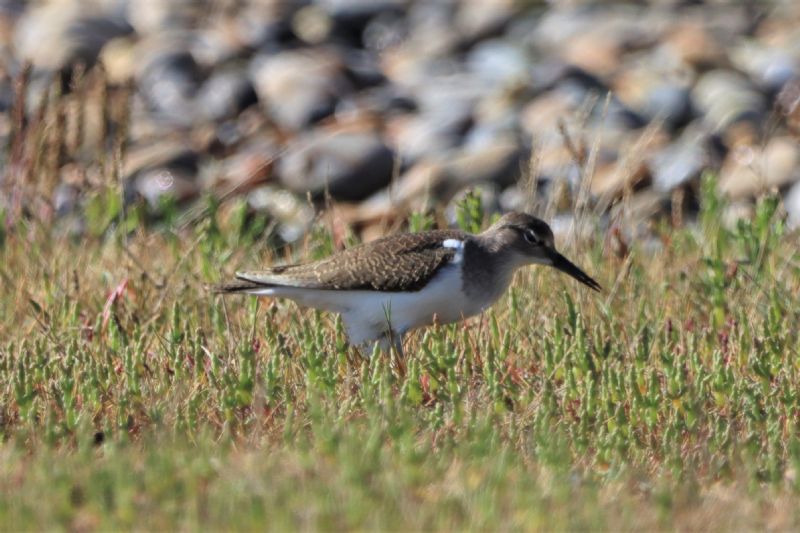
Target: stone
(56,35)
(168,78)
(250,165)
(225,94)
(299,87)
(158,183)
(349,165)
(771,68)
(481,20)
(292,214)
(500,164)
(749,170)
(498,61)
(681,161)
(725,97)
(429,134)
(657,94)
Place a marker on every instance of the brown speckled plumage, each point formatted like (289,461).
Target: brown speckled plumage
(403,262)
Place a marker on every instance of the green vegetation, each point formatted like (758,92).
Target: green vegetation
(133,398)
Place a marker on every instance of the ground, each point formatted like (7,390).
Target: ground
(134,398)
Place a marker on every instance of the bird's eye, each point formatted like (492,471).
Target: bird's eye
(531,237)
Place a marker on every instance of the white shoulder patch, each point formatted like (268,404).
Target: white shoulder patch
(456,245)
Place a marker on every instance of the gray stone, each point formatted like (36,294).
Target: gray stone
(350,166)
(725,97)
(299,87)
(225,94)
(499,61)
(292,214)
(168,78)
(59,34)
(680,162)
(749,170)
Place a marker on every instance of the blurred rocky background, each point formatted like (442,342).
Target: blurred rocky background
(381,108)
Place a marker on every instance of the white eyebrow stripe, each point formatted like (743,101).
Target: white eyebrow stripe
(456,245)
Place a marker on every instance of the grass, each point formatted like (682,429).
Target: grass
(133,398)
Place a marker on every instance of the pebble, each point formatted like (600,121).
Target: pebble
(751,170)
(60,34)
(158,183)
(299,87)
(282,100)
(681,161)
(725,97)
(349,166)
(168,78)
(293,214)
(225,94)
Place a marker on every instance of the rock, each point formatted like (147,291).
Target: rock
(442,178)
(293,215)
(363,69)
(500,164)
(150,17)
(350,165)
(611,180)
(481,20)
(119,60)
(385,31)
(264,27)
(658,95)
(225,94)
(160,153)
(351,17)
(416,186)
(749,170)
(312,24)
(725,97)
(499,62)
(168,78)
(429,134)
(56,35)
(669,102)
(250,165)
(299,87)
(541,117)
(770,68)
(680,162)
(694,45)
(788,103)
(597,53)
(384,101)
(642,206)
(158,183)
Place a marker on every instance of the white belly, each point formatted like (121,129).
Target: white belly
(370,314)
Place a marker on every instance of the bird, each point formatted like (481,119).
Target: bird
(385,288)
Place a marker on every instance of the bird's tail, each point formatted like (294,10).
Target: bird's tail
(237,286)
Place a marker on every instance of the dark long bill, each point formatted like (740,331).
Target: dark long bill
(564,265)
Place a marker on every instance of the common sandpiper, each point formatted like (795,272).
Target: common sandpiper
(388,287)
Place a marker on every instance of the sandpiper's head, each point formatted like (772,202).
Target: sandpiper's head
(530,240)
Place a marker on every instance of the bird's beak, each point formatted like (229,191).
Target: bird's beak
(563,264)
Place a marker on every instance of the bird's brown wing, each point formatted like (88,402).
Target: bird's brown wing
(403,262)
